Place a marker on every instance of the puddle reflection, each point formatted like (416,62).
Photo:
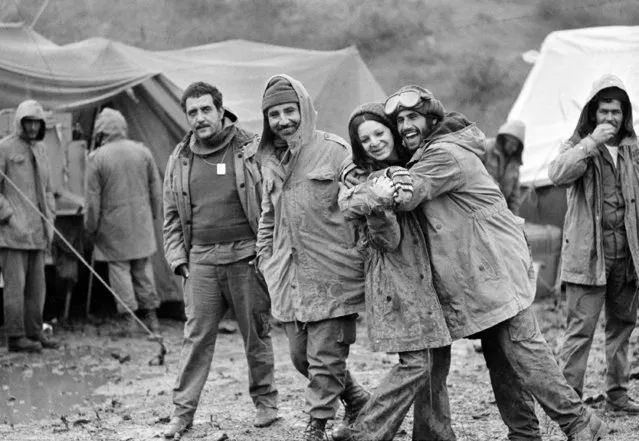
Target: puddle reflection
(37,387)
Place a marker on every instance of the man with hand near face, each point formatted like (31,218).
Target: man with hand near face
(24,236)
(211,211)
(600,256)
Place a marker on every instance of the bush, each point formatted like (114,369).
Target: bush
(482,80)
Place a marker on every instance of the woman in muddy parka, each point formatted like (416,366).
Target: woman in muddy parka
(403,312)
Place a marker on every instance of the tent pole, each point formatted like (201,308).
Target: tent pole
(90,289)
(40,11)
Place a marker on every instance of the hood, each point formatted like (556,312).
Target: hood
(30,109)
(516,129)
(308,115)
(375,111)
(586,123)
(112,124)
(457,129)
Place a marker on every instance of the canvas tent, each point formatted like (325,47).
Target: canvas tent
(553,95)
(146,85)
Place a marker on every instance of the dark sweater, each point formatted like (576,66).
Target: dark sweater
(218,215)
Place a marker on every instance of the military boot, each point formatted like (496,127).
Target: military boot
(354,399)
(594,431)
(315,430)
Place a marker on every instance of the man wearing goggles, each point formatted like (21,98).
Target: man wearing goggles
(482,270)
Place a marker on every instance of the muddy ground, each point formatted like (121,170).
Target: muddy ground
(100,387)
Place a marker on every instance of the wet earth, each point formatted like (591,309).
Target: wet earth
(101,387)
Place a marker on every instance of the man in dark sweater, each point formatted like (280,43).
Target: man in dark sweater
(211,210)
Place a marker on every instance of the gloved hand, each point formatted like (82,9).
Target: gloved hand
(403,182)
(383,190)
(352,175)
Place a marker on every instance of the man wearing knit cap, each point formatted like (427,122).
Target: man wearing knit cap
(503,160)
(307,252)
(212,198)
(482,269)
(600,255)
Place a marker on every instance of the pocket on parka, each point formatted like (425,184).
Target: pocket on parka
(348,330)
(523,326)
(322,186)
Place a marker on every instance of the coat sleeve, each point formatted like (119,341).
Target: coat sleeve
(5,207)
(437,172)
(93,194)
(383,229)
(155,187)
(264,245)
(572,161)
(355,202)
(514,199)
(174,248)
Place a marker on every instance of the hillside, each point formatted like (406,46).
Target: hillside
(468,52)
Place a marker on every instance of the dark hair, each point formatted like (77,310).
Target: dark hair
(606,96)
(198,89)
(360,157)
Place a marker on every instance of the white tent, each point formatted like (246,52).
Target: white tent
(556,88)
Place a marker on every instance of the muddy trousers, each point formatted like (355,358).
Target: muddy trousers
(209,292)
(133,282)
(319,351)
(24,291)
(584,304)
(419,377)
(516,350)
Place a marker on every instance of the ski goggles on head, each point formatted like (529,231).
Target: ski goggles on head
(406,99)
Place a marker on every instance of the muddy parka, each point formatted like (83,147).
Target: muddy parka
(124,193)
(27,165)
(402,309)
(307,252)
(579,166)
(177,195)
(482,267)
(505,168)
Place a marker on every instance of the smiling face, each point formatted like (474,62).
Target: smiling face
(413,128)
(377,140)
(284,119)
(203,117)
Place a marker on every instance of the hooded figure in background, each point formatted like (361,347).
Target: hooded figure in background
(24,235)
(503,159)
(124,196)
(600,255)
(307,252)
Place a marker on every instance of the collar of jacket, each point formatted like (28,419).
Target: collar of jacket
(242,137)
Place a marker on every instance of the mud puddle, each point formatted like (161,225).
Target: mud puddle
(47,386)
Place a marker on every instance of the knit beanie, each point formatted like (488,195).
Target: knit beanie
(376,109)
(278,91)
(428,105)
